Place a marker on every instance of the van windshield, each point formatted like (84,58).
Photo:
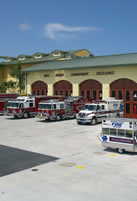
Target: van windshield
(45,106)
(90,107)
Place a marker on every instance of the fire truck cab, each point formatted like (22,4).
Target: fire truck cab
(4,98)
(26,106)
(58,110)
(23,106)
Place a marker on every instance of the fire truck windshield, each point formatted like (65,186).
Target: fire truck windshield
(12,104)
(90,107)
(45,106)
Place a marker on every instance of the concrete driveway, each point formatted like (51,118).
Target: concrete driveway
(78,168)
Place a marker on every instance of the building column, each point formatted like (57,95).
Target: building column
(50,90)
(28,90)
(75,90)
(105,91)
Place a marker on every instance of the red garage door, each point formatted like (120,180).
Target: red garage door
(39,88)
(127,90)
(91,89)
(63,88)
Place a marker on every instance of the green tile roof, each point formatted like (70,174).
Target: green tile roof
(96,61)
(47,57)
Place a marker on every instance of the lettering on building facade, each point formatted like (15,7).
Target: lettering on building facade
(105,73)
(46,75)
(79,74)
(59,75)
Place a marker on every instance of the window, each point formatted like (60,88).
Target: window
(121,132)
(82,93)
(105,131)
(94,95)
(113,131)
(38,56)
(38,92)
(88,94)
(100,95)
(44,106)
(42,92)
(89,107)
(56,92)
(71,93)
(129,133)
(66,93)
(127,95)
(61,92)
(56,54)
(62,105)
(98,107)
(120,94)
(30,104)
(54,107)
(103,107)
(135,95)
(113,94)
(127,108)
(33,92)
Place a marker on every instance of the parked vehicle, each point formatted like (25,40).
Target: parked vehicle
(4,98)
(96,111)
(58,110)
(120,134)
(26,106)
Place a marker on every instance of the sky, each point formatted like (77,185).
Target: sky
(104,27)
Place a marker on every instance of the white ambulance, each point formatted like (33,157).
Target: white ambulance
(97,111)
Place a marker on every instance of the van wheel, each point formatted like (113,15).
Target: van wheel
(93,121)
(26,115)
(58,117)
(121,151)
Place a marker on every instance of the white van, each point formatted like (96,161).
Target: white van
(120,133)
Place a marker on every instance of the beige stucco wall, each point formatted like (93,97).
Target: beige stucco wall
(0,75)
(128,72)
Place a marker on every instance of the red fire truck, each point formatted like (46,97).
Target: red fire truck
(4,98)
(27,106)
(58,110)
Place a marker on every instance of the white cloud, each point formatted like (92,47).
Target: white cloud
(25,27)
(53,31)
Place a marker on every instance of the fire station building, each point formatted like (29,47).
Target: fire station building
(80,73)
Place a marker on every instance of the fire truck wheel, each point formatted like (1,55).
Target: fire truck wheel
(58,117)
(26,115)
(15,116)
(93,121)
(121,151)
